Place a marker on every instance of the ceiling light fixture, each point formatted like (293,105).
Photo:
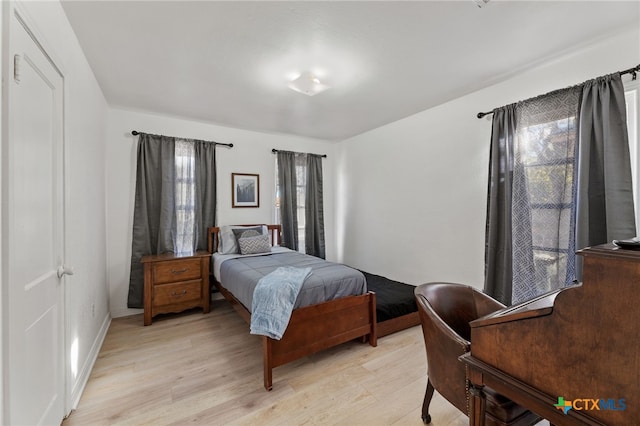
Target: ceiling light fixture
(308,84)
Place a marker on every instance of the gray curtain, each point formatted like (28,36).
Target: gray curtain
(605,195)
(153,215)
(287,181)
(300,184)
(498,252)
(206,196)
(559,180)
(314,213)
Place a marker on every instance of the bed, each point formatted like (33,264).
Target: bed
(396,307)
(311,328)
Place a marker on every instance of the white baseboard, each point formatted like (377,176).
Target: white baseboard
(125,312)
(83,377)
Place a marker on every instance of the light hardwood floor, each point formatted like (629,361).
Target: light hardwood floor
(207,369)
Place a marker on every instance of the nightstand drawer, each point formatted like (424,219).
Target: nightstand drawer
(170,294)
(174,283)
(177,270)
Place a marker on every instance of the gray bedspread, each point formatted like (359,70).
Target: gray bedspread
(327,281)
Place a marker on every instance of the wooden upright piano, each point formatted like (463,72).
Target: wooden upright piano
(571,356)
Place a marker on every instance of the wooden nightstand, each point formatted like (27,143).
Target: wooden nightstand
(173,283)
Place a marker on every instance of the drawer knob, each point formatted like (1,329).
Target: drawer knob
(179,271)
(182,293)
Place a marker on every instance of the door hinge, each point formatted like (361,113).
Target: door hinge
(16,68)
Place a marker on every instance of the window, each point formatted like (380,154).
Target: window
(184,196)
(549,160)
(546,151)
(632,97)
(539,211)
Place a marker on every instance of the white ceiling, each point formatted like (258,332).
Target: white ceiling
(229,62)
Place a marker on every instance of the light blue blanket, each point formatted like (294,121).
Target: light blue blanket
(273,300)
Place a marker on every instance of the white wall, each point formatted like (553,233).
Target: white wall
(86,302)
(251,153)
(3,288)
(411,195)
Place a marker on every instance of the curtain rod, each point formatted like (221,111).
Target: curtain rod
(633,71)
(230,145)
(323,156)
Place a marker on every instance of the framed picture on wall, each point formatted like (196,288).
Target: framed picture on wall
(245,190)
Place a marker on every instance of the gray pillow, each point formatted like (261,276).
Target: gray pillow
(250,242)
(228,243)
(238,232)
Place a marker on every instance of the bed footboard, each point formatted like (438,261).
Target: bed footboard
(314,328)
(317,327)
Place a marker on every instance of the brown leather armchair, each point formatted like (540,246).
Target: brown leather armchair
(445,311)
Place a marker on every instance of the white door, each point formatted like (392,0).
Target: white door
(34,224)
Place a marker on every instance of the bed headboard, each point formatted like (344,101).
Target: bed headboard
(273,230)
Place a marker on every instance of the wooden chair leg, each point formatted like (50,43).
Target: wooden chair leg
(426,418)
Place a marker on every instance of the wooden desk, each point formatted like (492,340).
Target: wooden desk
(579,343)
(480,374)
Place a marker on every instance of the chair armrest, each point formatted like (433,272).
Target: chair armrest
(486,305)
(454,337)
(443,331)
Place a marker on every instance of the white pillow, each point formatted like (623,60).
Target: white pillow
(227,242)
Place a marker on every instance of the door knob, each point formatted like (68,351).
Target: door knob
(64,270)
